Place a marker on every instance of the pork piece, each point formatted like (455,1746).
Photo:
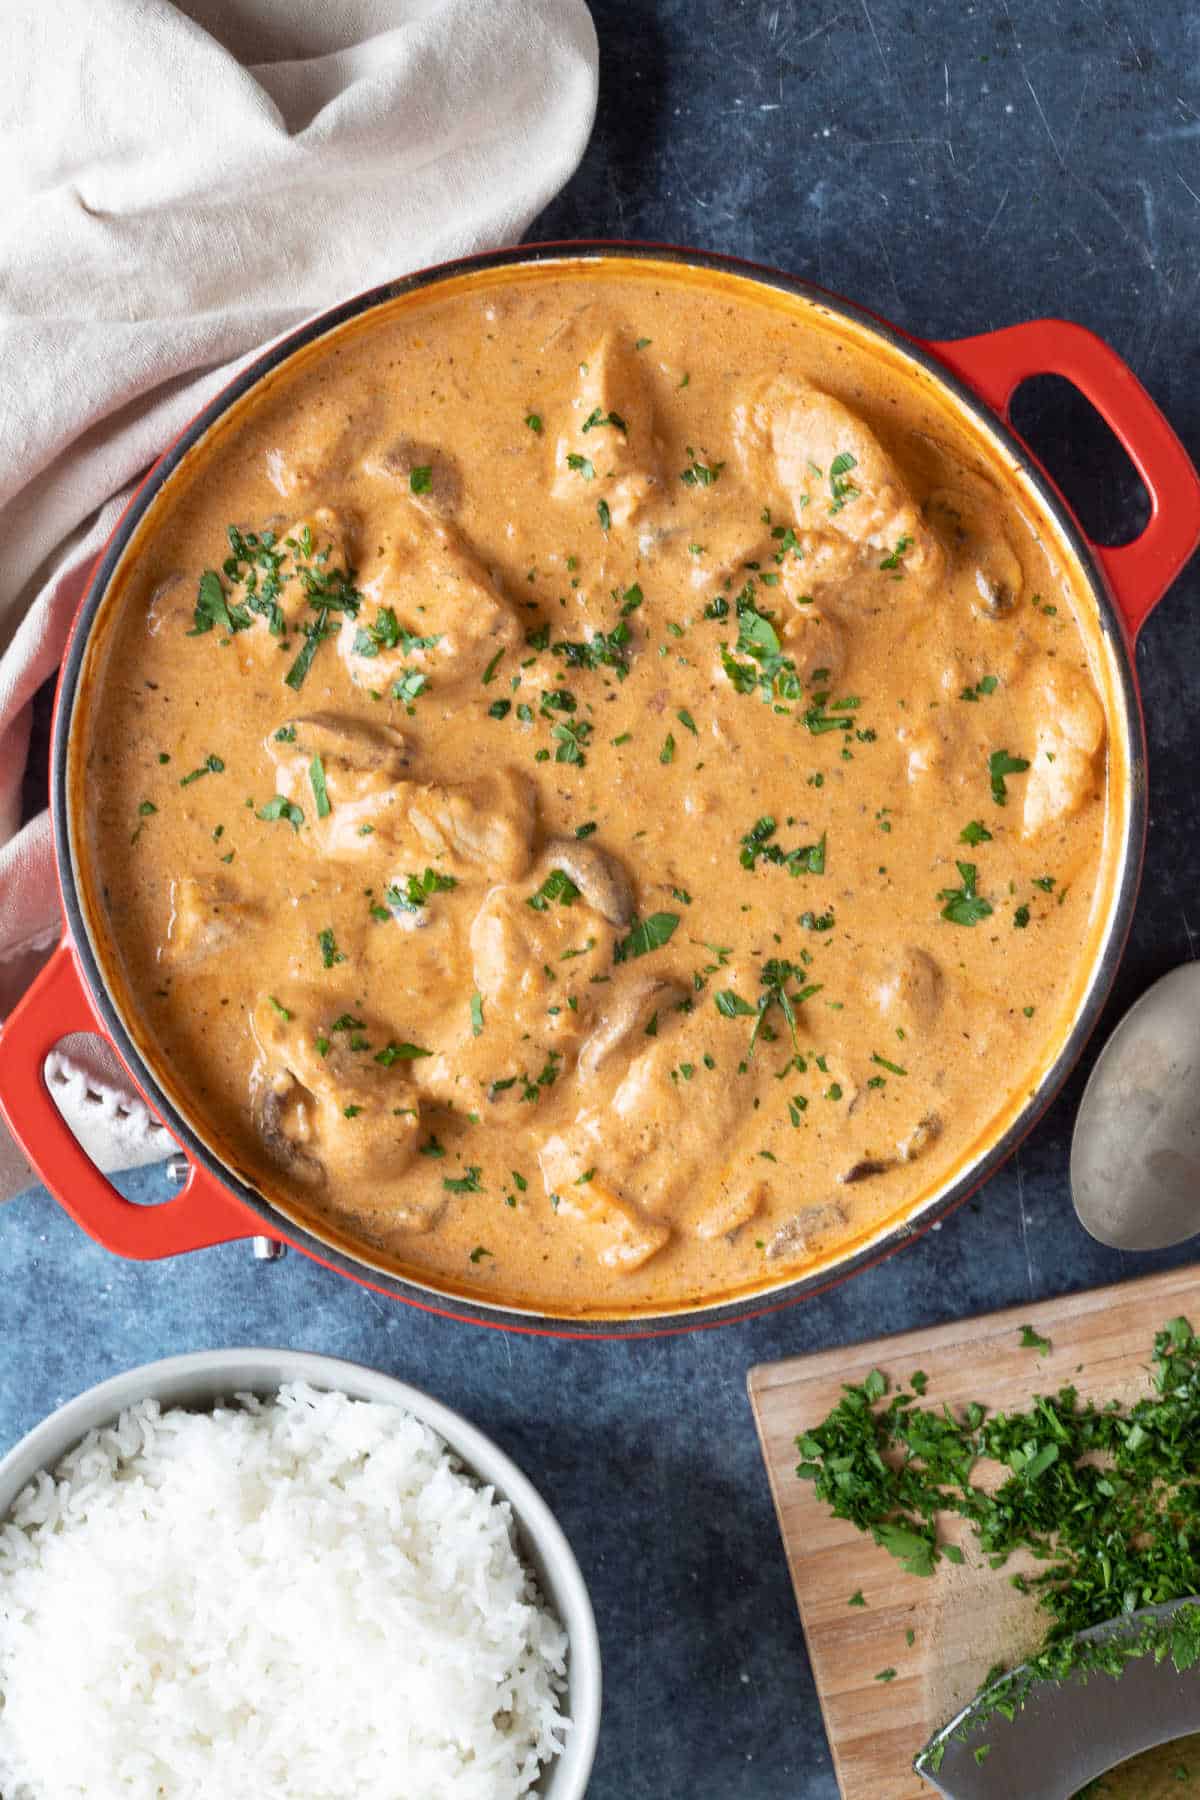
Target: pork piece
(736,1203)
(430,610)
(624,1238)
(611,433)
(799,1237)
(532,969)
(909,992)
(968,518)
(486,823)
(332,1095)
(840,485)
(663,1120)
(1064,768)
(316,552)
(207,916)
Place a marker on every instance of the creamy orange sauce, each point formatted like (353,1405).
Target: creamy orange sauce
(664,604)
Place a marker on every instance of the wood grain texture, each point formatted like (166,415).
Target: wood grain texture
(963,1618)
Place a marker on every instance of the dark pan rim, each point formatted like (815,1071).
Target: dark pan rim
(670,1321)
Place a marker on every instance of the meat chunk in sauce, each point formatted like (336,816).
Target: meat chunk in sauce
(623,1236)
(207,917)
(608,452)
(332,1101)
(1064,770)
(486,824)
(315,564)
(431,615)
(910,991)
(843,492)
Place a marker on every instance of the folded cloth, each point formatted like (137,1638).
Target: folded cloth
(179,184)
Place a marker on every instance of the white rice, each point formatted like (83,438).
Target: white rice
(295,1599)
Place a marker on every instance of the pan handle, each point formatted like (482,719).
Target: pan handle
(201,1214)
(994,364)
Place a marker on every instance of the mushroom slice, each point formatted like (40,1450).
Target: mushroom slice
(968,520)
(633,1007)
(436,472)
(600,878)
(866,1168)
(925,1132)
(206,917)
(626,1237)
(800,1235)
(358,758)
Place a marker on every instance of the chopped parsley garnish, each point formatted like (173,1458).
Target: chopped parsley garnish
(387,633)
(596,419)
(841,491)
(420,480)
(758,846)
(410,893)
(1021,918)
(775,975)
(892,560)
(490,672)
(1000,764)
(976,832)
(534,422)
(499,709)
(686,720)
(280,808)
(330,954)
(469,1183)
(282,1010)
(394,1053)
(411,683)
(1032,1340)
(572,738)
(650,934)
(965,905)
(586,829)
(212,765)
(604,515)
(316,774)
(582,465)
(1045,882)
(478,1254)
(988,685)
(476,1013)
(698,474)
(604,650)
(893,1068)
(557,886)
(769,670)
(667,753)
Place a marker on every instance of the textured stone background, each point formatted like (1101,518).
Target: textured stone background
(957,168)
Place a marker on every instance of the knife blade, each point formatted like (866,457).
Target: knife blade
(1067,1732)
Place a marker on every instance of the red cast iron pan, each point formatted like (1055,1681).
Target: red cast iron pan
(214,1206)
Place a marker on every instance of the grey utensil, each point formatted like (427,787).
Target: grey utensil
(1068,1732)
(1135,1158)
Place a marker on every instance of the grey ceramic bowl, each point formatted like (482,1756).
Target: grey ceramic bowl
(206,1376)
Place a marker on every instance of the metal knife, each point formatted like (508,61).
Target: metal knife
(1067,1732)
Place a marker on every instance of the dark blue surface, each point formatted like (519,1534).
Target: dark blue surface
(956,169)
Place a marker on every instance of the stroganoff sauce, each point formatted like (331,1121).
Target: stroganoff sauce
(594,792)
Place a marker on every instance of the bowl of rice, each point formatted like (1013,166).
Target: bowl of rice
(267,1575)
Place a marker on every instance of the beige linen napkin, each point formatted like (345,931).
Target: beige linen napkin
(179,185)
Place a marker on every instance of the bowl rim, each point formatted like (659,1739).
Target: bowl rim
(211,1374)
(685,1315)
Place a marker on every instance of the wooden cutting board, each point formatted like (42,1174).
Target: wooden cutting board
(963,1619)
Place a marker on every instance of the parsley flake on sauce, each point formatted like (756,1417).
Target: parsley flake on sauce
(476,1013)
(470,1183)
(965,905)
(650,934)
(281,808)
(316,775)
(420,480)
(1000,764)
(394,1053)
(582,465)
(212,765)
